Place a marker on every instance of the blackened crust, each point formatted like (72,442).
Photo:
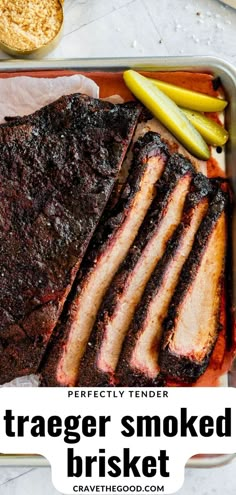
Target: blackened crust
(109,224)
(177,166)
(181,367)
(147,146)
(191,266)
(57,170)
(199,190)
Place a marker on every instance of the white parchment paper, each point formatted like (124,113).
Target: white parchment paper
(24,95)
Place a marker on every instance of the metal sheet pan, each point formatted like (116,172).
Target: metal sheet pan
(213,65)
(204,461)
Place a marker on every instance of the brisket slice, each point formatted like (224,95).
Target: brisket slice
(192,323)
(108,249)
(57,169)
(126,290)
(138,362)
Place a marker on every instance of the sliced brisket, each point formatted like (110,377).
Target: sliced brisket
(107,251)
(192,323)
(125,292)
(57,170)
(138,362)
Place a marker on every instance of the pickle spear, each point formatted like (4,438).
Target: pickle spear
(212,132)
(167,112)
(190,99)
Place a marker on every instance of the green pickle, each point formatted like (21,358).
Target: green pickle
(167,112)
(212,132)
(191,99)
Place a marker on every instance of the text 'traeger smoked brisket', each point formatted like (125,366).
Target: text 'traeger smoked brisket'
(104,347)
(61,365)
(192,323)
(57,170)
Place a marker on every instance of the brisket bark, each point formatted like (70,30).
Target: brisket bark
(192,323)
(126,290)
(138,362)
(57,170)
(108,249)
(172,144)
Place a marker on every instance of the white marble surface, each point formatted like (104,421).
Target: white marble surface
(108,28)
(214,481)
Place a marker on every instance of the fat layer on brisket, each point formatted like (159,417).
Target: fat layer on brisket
(110,246)
(125,292)
(192,323)
(57,170)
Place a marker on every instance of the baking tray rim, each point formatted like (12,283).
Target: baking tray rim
(204,63)
(167,63)
(35,460)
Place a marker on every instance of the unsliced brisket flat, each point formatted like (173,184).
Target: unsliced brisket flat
(57,170)
(111,244)
(104,347)
(138,362)
(192,323)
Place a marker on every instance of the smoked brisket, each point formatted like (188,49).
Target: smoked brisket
(107,251)
(57,170)
(139,359)
(104,347)
(192,323)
